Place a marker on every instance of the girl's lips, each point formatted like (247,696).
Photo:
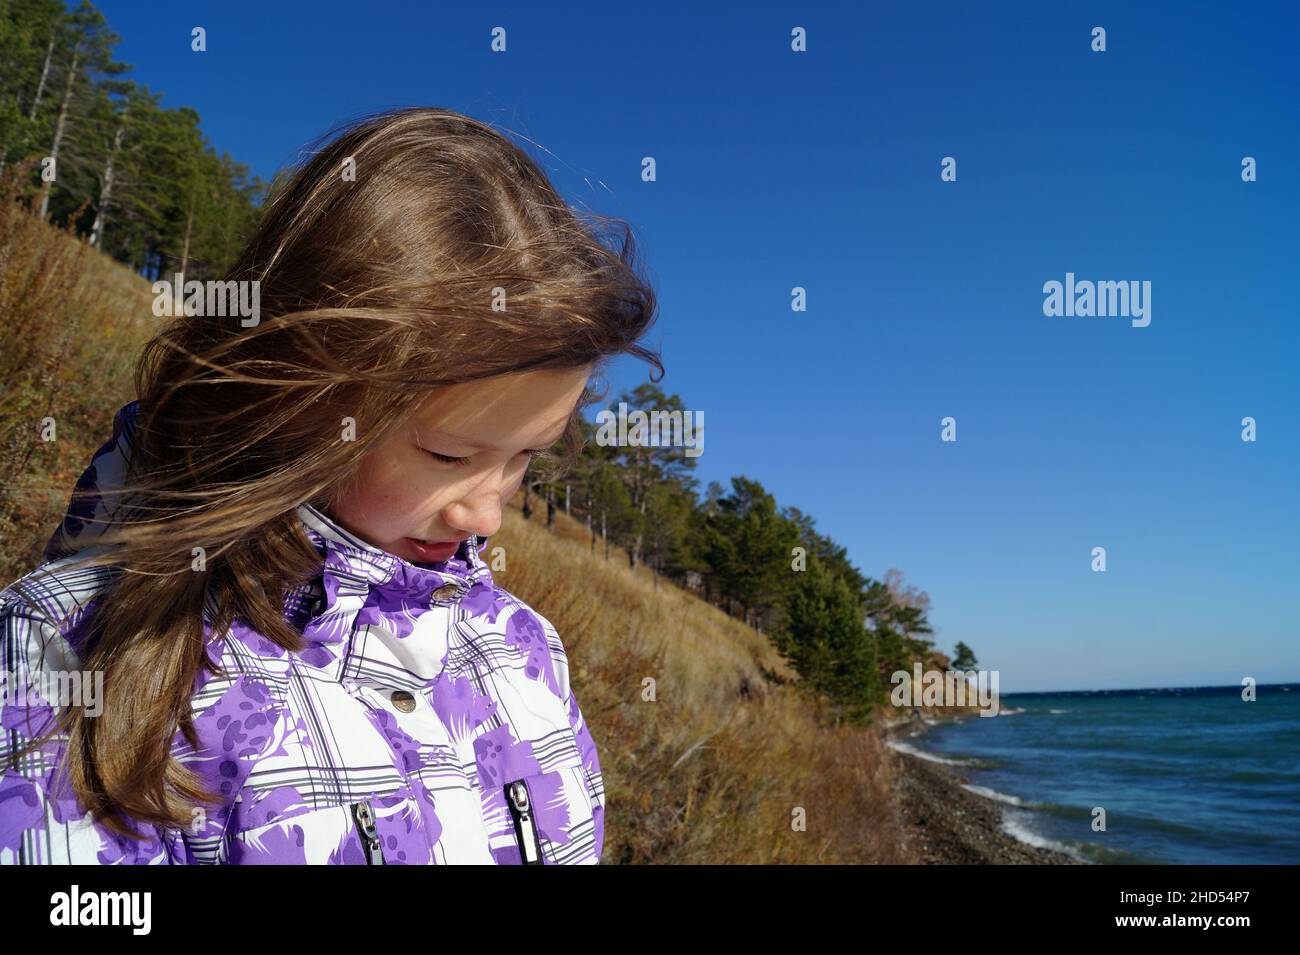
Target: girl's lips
(430,551)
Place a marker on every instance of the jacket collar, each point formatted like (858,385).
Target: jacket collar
(349,557)
(360,584)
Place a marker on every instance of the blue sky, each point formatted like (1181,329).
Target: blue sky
(925,298)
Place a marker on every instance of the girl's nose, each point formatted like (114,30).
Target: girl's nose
(481,516)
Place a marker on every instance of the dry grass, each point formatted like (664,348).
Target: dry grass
(72,322)
(710,752)
(715,763)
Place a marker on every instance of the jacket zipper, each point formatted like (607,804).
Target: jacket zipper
(521,811)
(365,820)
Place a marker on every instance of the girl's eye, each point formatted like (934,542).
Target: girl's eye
(533,455)
(446,459)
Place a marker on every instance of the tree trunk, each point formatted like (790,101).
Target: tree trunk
(59,127)
(178,293)
(634,553)
(45,72)
(101,216)
(185,249)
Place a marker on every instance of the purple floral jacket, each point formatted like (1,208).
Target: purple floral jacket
(428,720)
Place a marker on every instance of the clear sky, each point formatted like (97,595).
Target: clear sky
(925,298)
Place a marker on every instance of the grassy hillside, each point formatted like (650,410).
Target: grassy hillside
(72,322)
(715,767)
(710,752)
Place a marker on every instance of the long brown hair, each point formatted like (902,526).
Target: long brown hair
(383,261)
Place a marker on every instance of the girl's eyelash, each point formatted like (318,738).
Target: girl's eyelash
(533,455)
(446,459)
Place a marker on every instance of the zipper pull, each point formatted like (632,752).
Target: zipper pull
(525,826)
(365,820)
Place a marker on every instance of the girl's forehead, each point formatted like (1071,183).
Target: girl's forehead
(527,389)
(490,412)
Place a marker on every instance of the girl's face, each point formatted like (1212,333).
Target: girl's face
(413,504)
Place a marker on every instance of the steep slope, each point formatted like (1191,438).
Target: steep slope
(706,760)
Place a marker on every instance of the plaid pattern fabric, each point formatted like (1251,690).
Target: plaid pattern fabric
(425,698)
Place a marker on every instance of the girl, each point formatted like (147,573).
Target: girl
(266,631)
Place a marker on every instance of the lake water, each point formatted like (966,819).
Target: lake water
(1190,775)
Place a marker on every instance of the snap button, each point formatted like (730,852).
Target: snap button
(446,592)
(404,700)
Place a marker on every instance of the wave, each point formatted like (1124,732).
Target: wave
(993,794)
(1017,829)
(911,750)
(1019,803)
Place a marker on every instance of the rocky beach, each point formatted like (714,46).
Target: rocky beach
(943,823)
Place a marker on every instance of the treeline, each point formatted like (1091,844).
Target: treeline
(844,632)
(100,154)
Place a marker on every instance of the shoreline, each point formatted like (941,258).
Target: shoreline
(943,823)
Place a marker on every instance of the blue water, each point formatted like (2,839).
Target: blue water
(1185,775)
